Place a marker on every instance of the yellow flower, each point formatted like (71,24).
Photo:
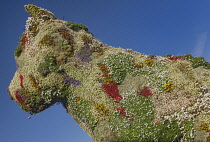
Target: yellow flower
(47,40)
(168,87)
(204,126)
(149,62)
(102,109)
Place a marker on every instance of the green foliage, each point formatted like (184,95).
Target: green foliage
(188,56)
(142,127)
(197,61)
(119,65)
(76,27)
(51,60)
(188,129)
(151,73)
(49,65)
(169,131)
(18,51)
(81,109)
(168,55)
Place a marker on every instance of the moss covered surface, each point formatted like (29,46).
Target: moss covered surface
(114,94)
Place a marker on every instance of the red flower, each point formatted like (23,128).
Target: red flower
(132,119)
(137,92)
(76,65)
(175,58)
(112,90)
(21,81)
(123,113)
(18,97)
(25,39)
(146,92)
(41,108)
(156,124)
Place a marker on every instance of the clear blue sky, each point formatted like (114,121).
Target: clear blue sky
(157,27)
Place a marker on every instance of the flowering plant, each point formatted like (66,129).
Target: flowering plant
(168,87)
(102,109)
(25,39)
(71,81)
(21,81)
(124,114)
(19,98)
(84,54)
(114,94)
(145,92)
(112,90)
(175,58)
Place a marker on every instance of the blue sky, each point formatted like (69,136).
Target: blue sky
(157,27)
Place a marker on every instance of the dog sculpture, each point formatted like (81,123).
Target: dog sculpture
(114,94)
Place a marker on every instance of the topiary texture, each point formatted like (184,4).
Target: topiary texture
(76,27)
(114,94)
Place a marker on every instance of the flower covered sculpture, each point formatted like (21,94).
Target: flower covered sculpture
(114,94)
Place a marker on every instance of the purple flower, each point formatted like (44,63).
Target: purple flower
(85,53)
(71,81)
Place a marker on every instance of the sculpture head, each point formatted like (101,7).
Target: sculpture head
(48,56)
(113,93)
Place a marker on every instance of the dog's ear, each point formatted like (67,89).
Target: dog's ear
(38,13)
